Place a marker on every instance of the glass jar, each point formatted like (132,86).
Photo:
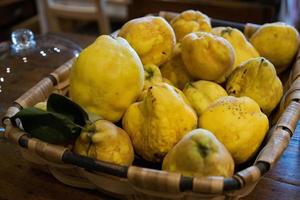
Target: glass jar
(26,59)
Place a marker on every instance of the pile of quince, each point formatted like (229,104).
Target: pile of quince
(193,97)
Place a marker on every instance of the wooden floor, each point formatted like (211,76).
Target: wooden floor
(18,180)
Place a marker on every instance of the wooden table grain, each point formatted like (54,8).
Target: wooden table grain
(19,180)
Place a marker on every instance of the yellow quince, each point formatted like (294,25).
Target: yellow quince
(277,42)
(257,79)
(199,153)
(238,124)
(105,141)
(159,121)
(190,21)
(203,93)
(242,48)
(152,38)
(207,57)
(174,69)
(41,105)
(107,77)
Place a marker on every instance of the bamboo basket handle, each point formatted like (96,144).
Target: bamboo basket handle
(154,180)
(213,185)
(37,93)
(61,75)
(280,136)
(293,93)
(296,68)
(49,152)
(59,79)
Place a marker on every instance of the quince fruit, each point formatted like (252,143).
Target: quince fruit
(174,69)
(257,79)
(277,42)
(207,57)
(190,21)
(238,124)
(199,153)
(105,141)
(107,77)
(203,93)
(242,48)
(159,121)
(152,38)
(41,105)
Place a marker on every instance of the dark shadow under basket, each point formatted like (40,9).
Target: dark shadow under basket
(144,183)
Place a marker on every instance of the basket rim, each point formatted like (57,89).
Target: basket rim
(235,182)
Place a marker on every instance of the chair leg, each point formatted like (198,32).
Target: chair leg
(52,21)
(42,16)
(102,18)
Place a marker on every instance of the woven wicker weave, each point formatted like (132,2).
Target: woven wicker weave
(143,183)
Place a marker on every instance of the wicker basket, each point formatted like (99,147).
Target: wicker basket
(144,183)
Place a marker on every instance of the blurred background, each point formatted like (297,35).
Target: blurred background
(94,17)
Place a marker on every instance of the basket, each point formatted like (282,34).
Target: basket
(136,182)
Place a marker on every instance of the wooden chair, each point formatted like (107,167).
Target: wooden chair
(255,11)
(98,10)
(16,14)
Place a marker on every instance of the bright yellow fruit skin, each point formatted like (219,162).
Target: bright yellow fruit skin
(41,105)
(238,124)
(242,48)
(257,79)
(159,121)
(278,42)
(107,77)
(207,57)
(152,75)
(199,153)
(106,142)
(174,69)
(152,38)
(190,21)
(203,93)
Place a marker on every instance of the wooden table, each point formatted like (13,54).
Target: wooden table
(18,180)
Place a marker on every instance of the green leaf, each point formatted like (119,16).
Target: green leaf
(60,124)
(62,105)
(48,126)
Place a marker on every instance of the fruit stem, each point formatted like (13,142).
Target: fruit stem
(90,127)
